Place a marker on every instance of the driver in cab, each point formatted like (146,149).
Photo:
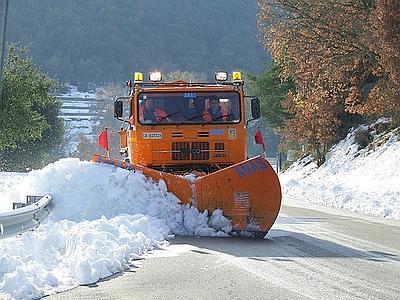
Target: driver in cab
(149,113)
(214,112)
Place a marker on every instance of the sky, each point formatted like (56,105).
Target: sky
(105,218)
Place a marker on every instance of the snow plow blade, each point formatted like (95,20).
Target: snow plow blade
(249,192)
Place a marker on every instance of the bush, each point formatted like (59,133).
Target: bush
(363,137)
(30,129)
(381,127)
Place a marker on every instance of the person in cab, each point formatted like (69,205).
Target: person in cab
(215,113)
(149,113)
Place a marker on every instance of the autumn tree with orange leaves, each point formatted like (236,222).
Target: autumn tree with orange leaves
(343,58)
(384,97)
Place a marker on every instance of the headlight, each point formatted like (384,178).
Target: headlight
(155,76)
(221,76)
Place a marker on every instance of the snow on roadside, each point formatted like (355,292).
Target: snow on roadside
(61,255)
(103,218)
(366,181)
(7,181)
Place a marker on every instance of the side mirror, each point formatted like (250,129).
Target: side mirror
(118,109)
(255,108)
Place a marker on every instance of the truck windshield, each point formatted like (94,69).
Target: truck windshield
(188,108)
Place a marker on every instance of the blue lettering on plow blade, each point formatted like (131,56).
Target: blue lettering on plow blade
(251,167)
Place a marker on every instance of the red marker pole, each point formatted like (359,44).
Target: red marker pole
(259,140)
(103,141)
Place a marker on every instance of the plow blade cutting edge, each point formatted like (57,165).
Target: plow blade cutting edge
(249,192)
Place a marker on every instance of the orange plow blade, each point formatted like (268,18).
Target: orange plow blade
(249,192)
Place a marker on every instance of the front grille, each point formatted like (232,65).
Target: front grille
(181,151)
(219,150)
(200,150)
(190,151)
(219,146)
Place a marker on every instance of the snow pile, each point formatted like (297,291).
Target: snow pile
(103,218)
(64,254)
(7,181)
(365,181)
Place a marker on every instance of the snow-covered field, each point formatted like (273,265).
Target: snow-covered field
(73,92)
(104,218)
(80,112)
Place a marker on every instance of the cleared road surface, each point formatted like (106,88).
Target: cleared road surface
(307,255)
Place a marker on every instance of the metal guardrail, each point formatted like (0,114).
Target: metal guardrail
(25,218)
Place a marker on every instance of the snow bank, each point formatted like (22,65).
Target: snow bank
(7,181)
(64,254)
(103,218)
(366,181)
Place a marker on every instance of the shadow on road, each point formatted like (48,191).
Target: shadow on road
(281,245)
(131,268)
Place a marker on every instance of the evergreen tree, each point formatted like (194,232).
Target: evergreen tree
(271,90)
(185,76)
(106,41)
(30,128)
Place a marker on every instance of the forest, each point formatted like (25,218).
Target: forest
(106,41)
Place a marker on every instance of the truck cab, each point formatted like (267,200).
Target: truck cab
(180,126)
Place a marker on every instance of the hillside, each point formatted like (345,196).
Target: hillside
(101,41)
(364,180)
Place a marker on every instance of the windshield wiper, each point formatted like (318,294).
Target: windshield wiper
(215,119)
(165,117)
(192,118)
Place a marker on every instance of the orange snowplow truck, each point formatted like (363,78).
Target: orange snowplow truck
(193,136)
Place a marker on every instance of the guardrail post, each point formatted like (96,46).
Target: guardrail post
(25,217)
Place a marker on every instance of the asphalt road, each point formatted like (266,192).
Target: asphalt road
(307,255)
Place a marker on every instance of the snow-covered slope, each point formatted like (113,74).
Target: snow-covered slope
(81,113)
(366,181)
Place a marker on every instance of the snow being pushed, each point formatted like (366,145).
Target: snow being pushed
(84,190)
(360,179)
(103,218)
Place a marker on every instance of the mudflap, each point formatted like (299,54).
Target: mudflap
(249,192)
